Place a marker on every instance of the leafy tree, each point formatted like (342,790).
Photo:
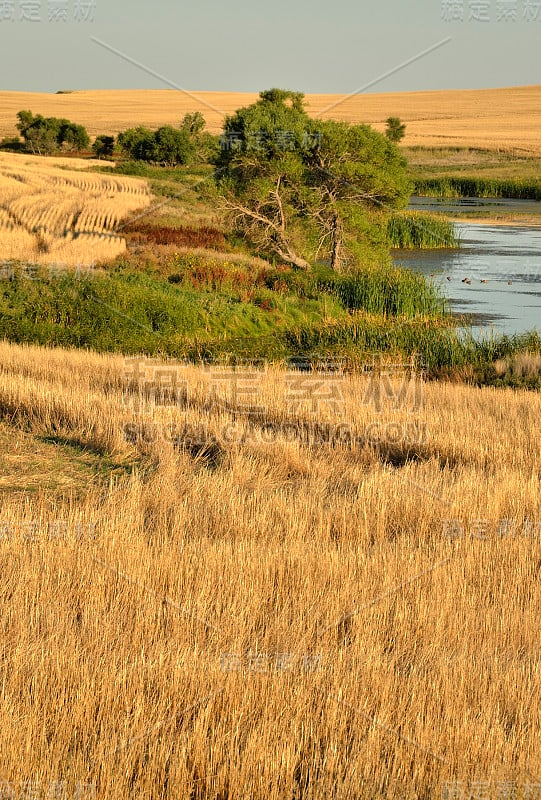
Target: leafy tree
(168,146)
(104,146)
(26,118)
(301,189)
(46,135)
(260,173)
(172,146)
(194,123)
(40,134)
(73,135)
(395,130)
(137,143)
(205,146)
(353,171)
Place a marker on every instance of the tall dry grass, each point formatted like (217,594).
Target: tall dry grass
(371,654)
(50,214)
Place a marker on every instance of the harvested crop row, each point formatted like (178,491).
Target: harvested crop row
(50,214)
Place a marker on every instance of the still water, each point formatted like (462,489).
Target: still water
(503,265)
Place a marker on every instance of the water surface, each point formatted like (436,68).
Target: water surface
(503,264)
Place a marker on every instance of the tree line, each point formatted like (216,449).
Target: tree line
(166,146)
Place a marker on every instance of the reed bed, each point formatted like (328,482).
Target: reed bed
(454,187)
(416,229)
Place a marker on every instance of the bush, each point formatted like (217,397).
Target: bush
(46,135)
(167,146)
(104,146)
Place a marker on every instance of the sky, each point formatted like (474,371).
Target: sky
(305,45)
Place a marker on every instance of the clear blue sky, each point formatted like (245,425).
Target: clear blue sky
(307,45)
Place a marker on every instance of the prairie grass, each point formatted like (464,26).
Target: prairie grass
(251,615)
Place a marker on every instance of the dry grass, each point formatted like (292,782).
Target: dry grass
(523,365)
(497,119)
(112,667)
(49,214)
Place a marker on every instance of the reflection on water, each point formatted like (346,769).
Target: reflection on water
(503,265)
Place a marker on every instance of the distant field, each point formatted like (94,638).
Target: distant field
(499,119)
(49,213)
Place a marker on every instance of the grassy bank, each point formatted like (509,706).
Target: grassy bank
(469,172)
(203,308)
(177,307)
(436,162)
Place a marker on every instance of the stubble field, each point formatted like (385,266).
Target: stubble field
(227,610)
(495,119)
(52,212)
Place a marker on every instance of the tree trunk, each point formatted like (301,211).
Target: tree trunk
(290,257)
(337,235)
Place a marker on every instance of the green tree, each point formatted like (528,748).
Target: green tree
(104,146)
(172,146)
(73,135)
(194,123)
(356,175)
(46,135)
(167,146)
(301,189)
(137,143)
(40,134)
(205,146)
(395,130)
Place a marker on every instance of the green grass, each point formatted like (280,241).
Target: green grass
(384,290)
(461,172)
(458,186)
(285,315)
(136,312)
(201,305)
(413,229)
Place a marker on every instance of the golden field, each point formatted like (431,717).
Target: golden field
(52,213)
(497,119)
(227,611)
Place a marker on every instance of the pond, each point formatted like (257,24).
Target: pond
(495,276)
